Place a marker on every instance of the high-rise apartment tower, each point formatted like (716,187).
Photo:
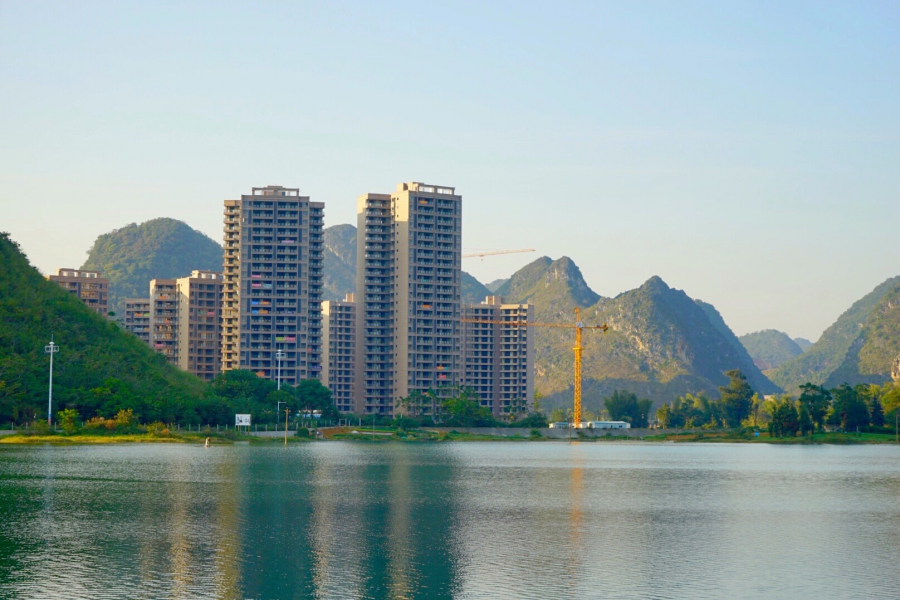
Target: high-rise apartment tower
(164,318)
(137,317)
(339,350)
(273,284)
(199,324)
(408,294)
(498,360)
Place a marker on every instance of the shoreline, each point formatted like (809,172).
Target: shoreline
(453,436)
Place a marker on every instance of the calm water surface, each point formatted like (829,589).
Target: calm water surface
(464,520)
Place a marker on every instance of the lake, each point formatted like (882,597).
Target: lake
(451,520)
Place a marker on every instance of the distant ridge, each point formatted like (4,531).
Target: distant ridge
(662,342)
(858,348)
(770,348)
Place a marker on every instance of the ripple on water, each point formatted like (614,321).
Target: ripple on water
(513,520)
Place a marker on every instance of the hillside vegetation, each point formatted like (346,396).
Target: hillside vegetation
(158,249)
(858,348)
(770,348)
(98,364)
(661,343)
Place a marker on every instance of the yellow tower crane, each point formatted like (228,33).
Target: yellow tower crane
(484,253)
(578,326)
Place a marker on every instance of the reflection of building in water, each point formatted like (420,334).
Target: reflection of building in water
(228,523)
(401,573)
(338,539)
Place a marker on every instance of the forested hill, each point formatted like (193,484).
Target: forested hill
(97,364)
(158,249)
(770,348)
(661,342)
(858,348)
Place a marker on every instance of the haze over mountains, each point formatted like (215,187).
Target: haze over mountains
(770,348)
(661,343)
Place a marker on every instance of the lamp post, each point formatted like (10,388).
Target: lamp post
(50,349)
(279,354)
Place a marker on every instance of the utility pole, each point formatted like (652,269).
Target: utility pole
(279,354)
(50,349)
(286,413)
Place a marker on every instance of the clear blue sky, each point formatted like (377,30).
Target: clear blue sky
(746,152)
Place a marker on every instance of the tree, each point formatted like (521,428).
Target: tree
(877,412)
(413,404)
(785,421)
(621,405)
(643,412)
(806,424)
(848,408)
(755,405)
(736,398)
(817,401)
(313,395)
(67,419)
(557,415)
(464,409)
(663,416)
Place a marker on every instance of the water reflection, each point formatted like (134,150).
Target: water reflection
(449,521)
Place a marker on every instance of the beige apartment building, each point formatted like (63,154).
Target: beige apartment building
(339,350)
(137,317)
(498,360)
(272,288)
(408,294)
(89,286)
(164,318)
(198,338)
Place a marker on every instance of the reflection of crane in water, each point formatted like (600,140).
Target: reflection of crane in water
(578,326)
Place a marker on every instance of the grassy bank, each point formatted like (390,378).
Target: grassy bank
(142,438)
(765,438)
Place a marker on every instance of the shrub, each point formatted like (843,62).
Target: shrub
(68,420)
(157,429)
(302,432)
(99,423)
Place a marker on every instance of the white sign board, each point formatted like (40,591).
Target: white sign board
(242,420)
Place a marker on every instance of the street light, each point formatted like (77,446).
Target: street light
(50,349)
(279,354)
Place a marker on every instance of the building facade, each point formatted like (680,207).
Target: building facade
(374,381)
(272,288)
(199,337)
(409,249)
(89,286)
(164,318)
(498,359)
(339,350)
(137,318)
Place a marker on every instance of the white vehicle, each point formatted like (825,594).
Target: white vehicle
(559,425)
(608,425)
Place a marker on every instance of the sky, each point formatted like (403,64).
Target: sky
(745,152)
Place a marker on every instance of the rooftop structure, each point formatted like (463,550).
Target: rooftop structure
(89,286)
